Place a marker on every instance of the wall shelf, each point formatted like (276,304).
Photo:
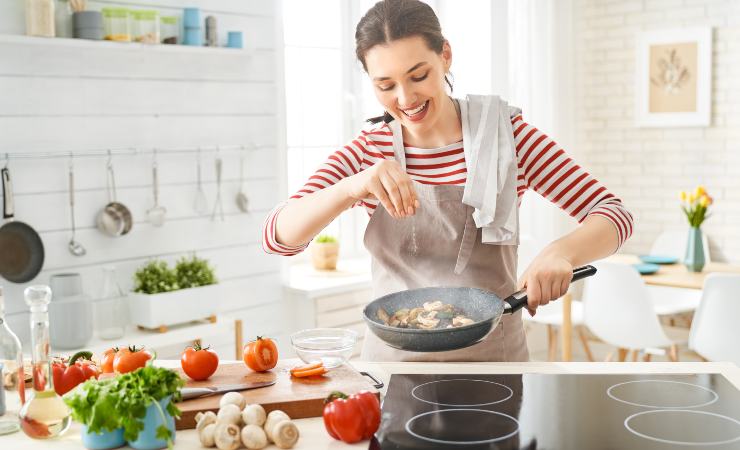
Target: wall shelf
(126,46)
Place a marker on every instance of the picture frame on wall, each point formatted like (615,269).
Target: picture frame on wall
(674,77)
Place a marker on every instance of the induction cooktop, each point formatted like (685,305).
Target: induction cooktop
(569,412)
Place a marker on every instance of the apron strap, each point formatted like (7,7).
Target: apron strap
(466,246)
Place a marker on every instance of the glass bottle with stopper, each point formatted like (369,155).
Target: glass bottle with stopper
(44,415)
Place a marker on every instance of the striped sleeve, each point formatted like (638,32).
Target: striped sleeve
(347,161)
(545,167)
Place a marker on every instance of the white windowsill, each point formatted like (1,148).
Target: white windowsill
(352,274)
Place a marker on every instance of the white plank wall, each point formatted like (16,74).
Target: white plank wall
(62,95)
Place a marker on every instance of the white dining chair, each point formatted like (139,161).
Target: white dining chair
(715,332)
(673,243)
(618,310)
(551,315)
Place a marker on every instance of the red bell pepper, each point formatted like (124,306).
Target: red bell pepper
(352,419)
(67,376)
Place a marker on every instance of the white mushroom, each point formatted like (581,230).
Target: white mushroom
(285,434)
(227,436)
(460,321)
(254,414)
(203,419)
(433,306)
(207,435)
(229,414)
(233,398)
(273,419)
(254,437)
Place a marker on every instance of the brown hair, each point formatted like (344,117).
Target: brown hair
(389,20)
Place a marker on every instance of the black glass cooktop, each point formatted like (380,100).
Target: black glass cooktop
(573,412)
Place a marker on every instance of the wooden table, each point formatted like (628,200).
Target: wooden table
(314,436)
(671,275)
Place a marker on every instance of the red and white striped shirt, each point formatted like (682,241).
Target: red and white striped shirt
(542,166)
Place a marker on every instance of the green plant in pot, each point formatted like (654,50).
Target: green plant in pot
(164,295)
(137,407)
(695,206)
(325,252)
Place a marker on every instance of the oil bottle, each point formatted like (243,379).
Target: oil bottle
(44,415)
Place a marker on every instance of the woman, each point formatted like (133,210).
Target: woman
(449,175)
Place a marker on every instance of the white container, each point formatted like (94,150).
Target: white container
(175,307)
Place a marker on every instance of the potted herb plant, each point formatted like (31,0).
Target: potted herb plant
(136,408)
(325,252)
(163,296)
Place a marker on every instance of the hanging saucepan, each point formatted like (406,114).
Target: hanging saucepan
(483,307)
(21,249)
(115,218)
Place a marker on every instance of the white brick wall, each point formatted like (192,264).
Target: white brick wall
(647,167)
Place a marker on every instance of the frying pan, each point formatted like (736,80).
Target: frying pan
(484,307)
(21,249)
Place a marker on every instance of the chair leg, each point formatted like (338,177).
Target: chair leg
(673,353)
(584,342)
(609,357)
(646,357)
(634,355)
(622,354)
(552,343)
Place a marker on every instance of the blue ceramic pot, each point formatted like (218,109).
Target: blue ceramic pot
(147,439)
(104,440)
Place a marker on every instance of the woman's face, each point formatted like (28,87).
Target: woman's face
(408,80)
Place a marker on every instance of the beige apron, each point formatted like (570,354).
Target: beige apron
(441,246)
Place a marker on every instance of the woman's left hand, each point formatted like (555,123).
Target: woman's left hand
(547,278)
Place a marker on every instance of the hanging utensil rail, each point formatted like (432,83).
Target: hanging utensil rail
(128,151)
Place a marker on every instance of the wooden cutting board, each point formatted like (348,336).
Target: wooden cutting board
(298,397)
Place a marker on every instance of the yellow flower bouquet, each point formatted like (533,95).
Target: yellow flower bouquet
(695,205)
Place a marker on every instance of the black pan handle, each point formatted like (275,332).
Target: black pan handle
(8,208)
(518,300)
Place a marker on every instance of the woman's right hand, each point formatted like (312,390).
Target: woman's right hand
(387,182)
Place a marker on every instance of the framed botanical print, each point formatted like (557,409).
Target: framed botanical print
(674,77)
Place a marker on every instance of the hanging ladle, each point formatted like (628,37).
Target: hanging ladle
(75,247)
(242,201)
(156,213)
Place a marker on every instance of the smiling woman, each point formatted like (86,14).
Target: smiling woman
(442,168)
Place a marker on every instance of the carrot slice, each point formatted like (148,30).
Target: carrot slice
(310,372)
(315,365)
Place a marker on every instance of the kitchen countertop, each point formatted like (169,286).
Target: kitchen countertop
(313,435)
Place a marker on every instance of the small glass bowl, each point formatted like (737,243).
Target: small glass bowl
(333,346)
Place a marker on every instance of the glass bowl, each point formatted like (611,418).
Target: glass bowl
(333,346)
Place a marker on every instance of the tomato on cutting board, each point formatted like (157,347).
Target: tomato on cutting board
(199,363)
(261,354)
(106,364)
(131,358)
(352,419)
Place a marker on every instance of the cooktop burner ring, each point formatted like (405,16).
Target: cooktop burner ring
(715,396)
(509,394)
(456,410)
(689,411)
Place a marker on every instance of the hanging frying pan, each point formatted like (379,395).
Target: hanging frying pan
(483,307)
(21,249)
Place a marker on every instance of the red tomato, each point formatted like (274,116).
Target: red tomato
(352,419)
(199,363)
(130,359)
(261,354)
(107,363)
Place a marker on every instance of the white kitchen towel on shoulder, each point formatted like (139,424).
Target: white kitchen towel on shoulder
(490,158)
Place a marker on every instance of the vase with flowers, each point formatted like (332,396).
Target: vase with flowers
(695,206)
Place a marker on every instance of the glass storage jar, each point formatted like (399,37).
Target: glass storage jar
(117,24)
(170,30)
(145,26)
